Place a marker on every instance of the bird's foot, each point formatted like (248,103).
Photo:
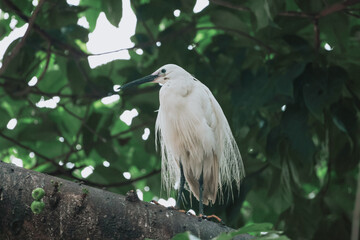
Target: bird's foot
(201,216)
(155,202)
(176,209)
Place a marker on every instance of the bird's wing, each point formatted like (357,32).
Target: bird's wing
(230,161)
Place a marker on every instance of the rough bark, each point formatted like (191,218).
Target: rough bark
(71,212)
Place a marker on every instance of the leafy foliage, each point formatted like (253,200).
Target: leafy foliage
(286,74)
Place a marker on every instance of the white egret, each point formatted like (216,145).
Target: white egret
(194,136)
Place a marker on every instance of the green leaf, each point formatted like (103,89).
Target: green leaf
(22,65)
(76,32)
(75,77)
(100,86)
(336,29)
(93,8)
(38,132)
(4,28)
(58,14)
(185,236)
(113,11)
(89,139)
(285,80)
(53,81)
(323,88)
(344,116)
(252,89)
(262,13)
(294,126)
(310,6)
(227,19)
(255,228)
(4,118)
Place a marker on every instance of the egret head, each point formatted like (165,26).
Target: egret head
(166,73)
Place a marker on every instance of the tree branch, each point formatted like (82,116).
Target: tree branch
(75,211)
(42,33)
(17,48)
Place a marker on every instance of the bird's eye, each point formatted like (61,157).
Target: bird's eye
(163,70)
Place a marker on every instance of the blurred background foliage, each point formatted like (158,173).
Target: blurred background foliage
(286,74)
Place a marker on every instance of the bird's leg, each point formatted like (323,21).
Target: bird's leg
(181,189)
(201,188)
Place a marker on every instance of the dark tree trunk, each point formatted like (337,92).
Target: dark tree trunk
(75,211)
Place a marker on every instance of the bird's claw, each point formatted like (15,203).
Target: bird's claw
(155,202)
(176,209)
(169,208)
(201,216)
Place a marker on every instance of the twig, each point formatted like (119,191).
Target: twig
(340,6)
(356,212)
(295,14)
(147,44)
(110,52)
(80,54)
(328,146)
(44,34)
(129,130)
(48,55)
(148,30)
(349,12)
(336,8)
(31,150)
(17,48)
(35,65)
(244,34)
(37,91)
(316,34)
(230,5)
(83,123)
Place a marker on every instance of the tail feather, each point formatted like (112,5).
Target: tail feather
(210,181)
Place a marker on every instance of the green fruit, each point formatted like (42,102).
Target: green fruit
(38,193)
(37,207)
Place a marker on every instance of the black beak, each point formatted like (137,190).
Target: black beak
(139,81)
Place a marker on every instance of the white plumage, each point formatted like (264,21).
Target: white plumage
(192,128)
